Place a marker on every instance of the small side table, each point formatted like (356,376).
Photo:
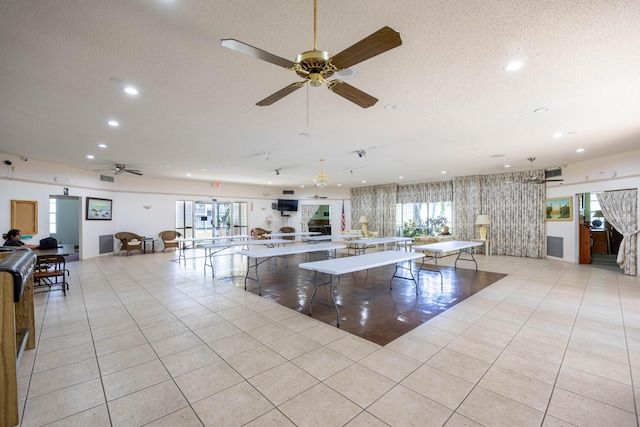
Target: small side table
(487,245)
(148,240)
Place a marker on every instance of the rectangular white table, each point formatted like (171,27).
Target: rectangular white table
(360,246)
(282,251)
(294,235)
(211,249)
(463,248)
(183,242)
(330,237)
(339,266)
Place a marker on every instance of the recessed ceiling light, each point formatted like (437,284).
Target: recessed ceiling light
(400,177)
(557,135)
(225,162)
(364,182)
(339,185)
(305,134)
(130,90)
(390,106)
(90,156)
(579,150)
(268,182)
(188,174)
(352,71)
(507,166)
(102,145)
(541,110)
(165,166)
(513,65)
(203,170)
(113,123)
(496,156)
(302,186)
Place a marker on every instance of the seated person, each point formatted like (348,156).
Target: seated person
(445,232)
(12,238)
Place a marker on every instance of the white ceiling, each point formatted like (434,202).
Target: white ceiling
(457,109)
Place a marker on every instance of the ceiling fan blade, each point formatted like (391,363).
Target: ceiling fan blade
(351,93)
(134,171)
(280,94)
(241,47)
(379,42)
(553,180)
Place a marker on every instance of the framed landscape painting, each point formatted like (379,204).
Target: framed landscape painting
(559,209)
(99,209)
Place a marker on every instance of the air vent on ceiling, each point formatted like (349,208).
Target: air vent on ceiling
(106,178)
(551,173)
(287,191)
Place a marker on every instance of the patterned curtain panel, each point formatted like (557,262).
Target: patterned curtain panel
(517,213)
(621,210)
(411,193)
(379,204)
(308,211)
(439,191)
(466,206)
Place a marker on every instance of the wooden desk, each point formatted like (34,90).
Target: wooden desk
(64,250)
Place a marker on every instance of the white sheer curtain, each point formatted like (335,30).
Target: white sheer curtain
(620,208)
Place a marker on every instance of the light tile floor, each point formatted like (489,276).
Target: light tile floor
(141,340)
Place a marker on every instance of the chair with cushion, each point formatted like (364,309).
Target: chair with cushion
(168,239)
(288,230)
(130,241)
(260,233)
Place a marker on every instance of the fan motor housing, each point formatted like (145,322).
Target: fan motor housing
(314,66)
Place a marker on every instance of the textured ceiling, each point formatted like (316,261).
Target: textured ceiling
(457,109)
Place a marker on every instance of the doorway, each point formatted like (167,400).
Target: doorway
(64,220)
(604,240)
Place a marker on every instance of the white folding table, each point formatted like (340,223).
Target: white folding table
(360,246)
(211,249)
(463,248)
(330,237)
(338,266)
(294,234)
(183,242)
(282,251)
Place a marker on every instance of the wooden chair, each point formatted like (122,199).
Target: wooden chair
(51,270)
(260,233)
(168,239)
(288,230)
(130,241)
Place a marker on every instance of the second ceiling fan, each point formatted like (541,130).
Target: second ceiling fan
(316,66)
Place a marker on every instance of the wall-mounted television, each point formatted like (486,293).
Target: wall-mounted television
(287,205)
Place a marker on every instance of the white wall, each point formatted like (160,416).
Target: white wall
(35,180)
(590,177)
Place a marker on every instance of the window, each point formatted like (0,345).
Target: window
(52,216)
(415,219)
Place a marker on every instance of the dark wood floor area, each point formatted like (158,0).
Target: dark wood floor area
(368,308)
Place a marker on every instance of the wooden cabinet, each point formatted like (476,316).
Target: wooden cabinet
(584,248)
(600,242)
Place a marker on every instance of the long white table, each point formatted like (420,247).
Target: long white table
(339,266)
(282,251)
(183,242)
(360,246)
(330,237)
(295,234)
(463,248)
(211,249)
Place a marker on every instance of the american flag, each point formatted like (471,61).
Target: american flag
(343,223)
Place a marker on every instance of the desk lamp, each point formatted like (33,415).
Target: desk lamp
(483,221)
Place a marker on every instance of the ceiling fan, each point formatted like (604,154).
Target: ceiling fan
(316,66)
(119,169)
(532,179)
(315,196)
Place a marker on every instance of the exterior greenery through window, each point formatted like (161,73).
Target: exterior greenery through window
(423,219)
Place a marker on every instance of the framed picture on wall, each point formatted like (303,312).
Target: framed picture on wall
(99,209)
(559,209)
